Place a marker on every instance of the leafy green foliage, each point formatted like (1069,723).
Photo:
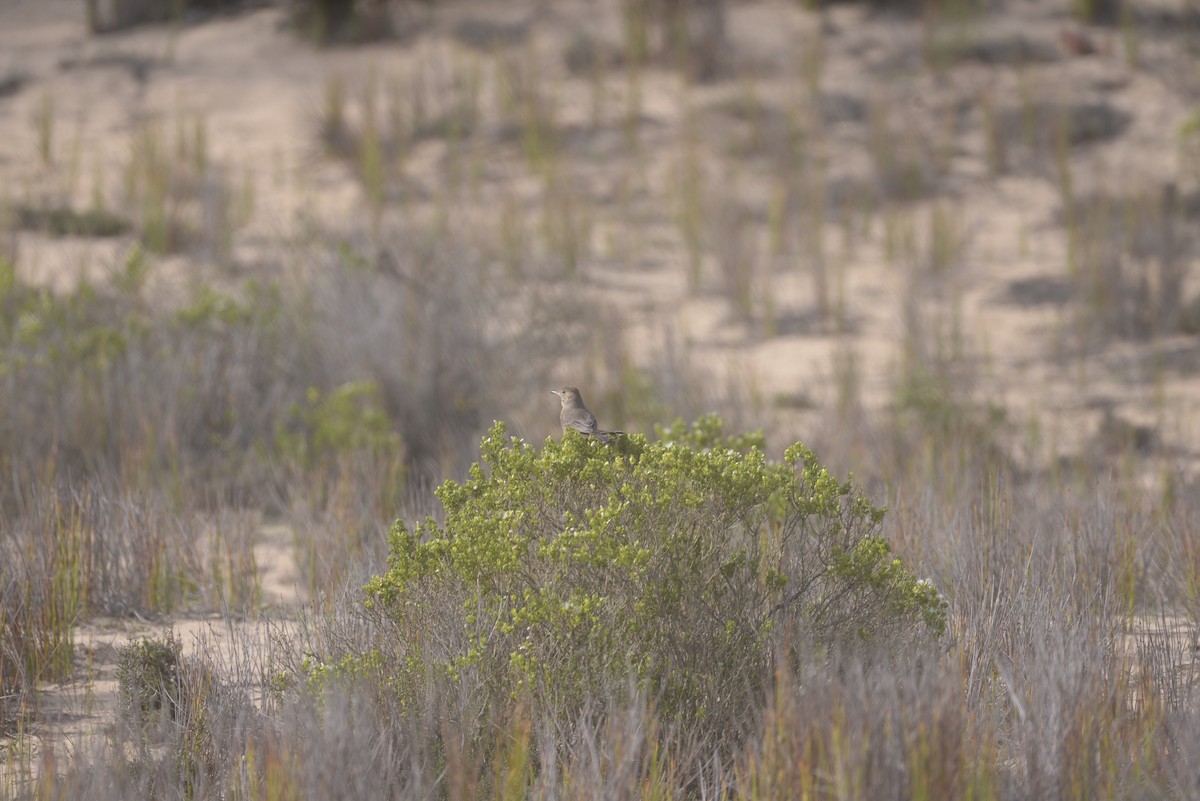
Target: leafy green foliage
(684,563)
(347,419)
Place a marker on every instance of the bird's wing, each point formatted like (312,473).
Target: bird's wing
(581,421)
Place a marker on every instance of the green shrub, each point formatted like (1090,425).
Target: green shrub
(340,21)
(65,221)
(347,419)
(169,705)
(684,563)
(98,381)
(148,678)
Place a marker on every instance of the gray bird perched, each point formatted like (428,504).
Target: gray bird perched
(575,415)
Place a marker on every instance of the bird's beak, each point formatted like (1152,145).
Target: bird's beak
(556,392)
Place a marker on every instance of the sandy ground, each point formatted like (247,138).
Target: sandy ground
(75,717)
(259,89)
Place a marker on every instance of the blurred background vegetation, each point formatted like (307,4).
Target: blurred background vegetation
(269,271)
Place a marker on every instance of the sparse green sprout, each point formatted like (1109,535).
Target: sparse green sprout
(136,270)
(43,123)
(1189,144)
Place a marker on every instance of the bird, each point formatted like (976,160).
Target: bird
(575,415)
